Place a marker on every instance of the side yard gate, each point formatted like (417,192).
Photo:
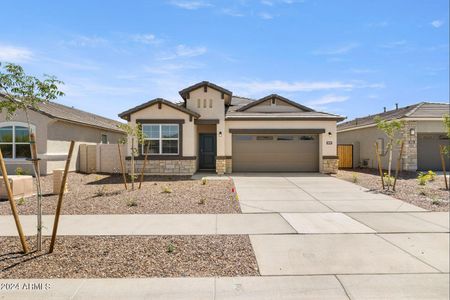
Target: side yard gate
(345,154)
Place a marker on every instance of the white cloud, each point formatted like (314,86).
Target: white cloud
(362,71)
(267,2)
(260,88)
(15,54)
(146,39)
(232,12)
(437,23)
(394,44)
(171,68)
(185,51)
(190,5)
(327,99)
(343,49)
(265,16)
(86,41)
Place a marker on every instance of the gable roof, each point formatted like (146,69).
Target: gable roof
(65,113)
(278,97)
(184,93)
(126,114)
(418,110)
(233,112)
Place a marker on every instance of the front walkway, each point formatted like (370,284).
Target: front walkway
(314,237)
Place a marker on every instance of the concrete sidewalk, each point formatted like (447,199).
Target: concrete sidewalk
(256,224)
(398,286)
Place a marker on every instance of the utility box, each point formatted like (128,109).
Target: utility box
(57,179)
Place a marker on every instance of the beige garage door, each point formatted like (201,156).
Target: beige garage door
(275,153)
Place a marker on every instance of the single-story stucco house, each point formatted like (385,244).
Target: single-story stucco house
(55,126)
(423,133)
(211,129)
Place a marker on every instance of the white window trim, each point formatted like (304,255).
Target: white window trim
(160,139)
(13,143)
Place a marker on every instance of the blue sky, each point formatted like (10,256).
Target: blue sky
(345,57)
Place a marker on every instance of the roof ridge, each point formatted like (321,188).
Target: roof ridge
(414,109)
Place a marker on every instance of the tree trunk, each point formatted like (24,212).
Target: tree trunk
(132,163)
(389,163)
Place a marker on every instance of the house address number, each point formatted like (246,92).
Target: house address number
(329,142)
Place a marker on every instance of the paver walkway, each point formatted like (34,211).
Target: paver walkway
(314,237)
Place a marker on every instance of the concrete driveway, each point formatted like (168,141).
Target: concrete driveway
(376,246)
(310,192)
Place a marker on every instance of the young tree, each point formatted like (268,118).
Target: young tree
(393,130)
(24,92)
(135,138)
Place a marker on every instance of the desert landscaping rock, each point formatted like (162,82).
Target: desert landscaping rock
(103,194)
(117,257)
(431,196)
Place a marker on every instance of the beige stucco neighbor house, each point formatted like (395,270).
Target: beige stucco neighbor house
(214,130)
(423,133)
(55,126)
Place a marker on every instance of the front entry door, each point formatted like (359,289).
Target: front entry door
(207,151)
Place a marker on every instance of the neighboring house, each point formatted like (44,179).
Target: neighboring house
(424,132)
(214,130)
(55,126)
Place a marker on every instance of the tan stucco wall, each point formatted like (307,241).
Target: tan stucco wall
(61,133)
(167,112)
(324,149)
(216,112)
(53,139)
(363,140)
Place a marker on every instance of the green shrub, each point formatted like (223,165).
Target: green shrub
(204,181)
(388,180)
(354,177)
(424,178)
(20,171)
(166,190)
(170,248)
(132,202)
(21,201)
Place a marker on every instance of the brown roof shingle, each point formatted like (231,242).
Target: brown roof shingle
(418,110)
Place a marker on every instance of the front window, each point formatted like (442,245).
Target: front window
(14,141)
(160,139)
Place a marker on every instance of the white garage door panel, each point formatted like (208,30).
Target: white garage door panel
(298,154)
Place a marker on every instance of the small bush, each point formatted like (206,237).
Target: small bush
(204,181)
(354,177)
(101,191)
(20,171)
(170,248)
(21,201)
(389,180)
(166,190)
(132,202)
(424,178)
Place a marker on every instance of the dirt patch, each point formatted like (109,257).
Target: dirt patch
(118,257)
(105,194)
(431,196)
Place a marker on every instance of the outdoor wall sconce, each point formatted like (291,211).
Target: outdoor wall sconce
(412,131)
(220,133)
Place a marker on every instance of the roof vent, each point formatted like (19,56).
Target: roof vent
(396,106)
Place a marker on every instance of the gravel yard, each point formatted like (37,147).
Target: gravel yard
(104,194)
(122,256)
(431,196)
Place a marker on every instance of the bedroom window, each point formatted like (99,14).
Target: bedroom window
(198,103)
(204,103)
(210,103)
(14,141)
(160,139)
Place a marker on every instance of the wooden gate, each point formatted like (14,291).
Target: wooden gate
(345,154)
